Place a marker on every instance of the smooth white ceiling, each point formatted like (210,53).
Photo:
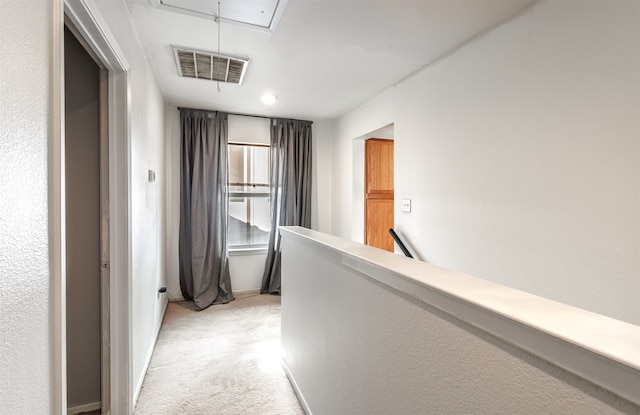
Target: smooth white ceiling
(325,58)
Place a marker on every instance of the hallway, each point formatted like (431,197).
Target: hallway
(223,360)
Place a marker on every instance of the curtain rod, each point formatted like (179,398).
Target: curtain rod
(245,115)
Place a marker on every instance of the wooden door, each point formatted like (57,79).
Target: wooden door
(378,185)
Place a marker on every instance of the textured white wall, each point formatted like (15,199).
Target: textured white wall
(521,154)
(355,346)
(26,30)
(148,222)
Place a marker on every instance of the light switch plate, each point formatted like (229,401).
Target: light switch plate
(406,205)
(152,176)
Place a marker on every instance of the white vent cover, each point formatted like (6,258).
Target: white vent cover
(209,65)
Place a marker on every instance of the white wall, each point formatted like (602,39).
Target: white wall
(521,154)
(353,127)
(246,268)
(147,221)
(26,125)
(172,145)
(251,130)
(323,133)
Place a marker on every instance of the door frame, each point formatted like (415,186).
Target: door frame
(372,197)
(357,178)
(85,16)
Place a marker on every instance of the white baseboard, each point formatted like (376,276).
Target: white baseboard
(247,292)
(295,387)
(147,361)
(84,408)
(241,293)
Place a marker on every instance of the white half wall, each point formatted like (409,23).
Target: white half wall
(365,331)
(521,154)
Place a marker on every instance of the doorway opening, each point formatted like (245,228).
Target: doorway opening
(379,197)
(116,395)
(86,172)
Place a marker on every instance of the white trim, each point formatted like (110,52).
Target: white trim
(173,299)
(260,250)
(87,19)
(57,252)
(105,234)
(275,21)
(85,16)
(295,387)
(120,243)
(273,24)
(147,361)
(599,349)
(80,409)
(246,293)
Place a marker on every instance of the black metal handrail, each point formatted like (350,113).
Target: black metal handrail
(396,238)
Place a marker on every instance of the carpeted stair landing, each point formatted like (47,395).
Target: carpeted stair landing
(223,360)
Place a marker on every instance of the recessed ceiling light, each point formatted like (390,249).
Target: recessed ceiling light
(269,99)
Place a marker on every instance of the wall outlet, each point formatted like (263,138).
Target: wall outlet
(406,205)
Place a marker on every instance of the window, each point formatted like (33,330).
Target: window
(249,212)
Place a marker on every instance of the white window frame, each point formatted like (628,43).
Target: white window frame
(249,248)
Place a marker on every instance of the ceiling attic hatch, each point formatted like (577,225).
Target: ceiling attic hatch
(210,65)
(256,14)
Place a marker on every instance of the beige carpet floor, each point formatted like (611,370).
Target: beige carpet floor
(223,360)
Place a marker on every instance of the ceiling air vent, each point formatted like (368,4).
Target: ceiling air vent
(209,65)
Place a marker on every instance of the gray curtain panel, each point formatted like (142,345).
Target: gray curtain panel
(290,189)
(203,254)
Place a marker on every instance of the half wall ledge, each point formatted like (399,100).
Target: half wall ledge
(599,349)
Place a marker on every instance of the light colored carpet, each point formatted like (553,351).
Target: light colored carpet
(223,360)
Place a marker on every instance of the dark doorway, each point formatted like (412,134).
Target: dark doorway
(83,223)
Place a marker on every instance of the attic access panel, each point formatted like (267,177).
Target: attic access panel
(262,14)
